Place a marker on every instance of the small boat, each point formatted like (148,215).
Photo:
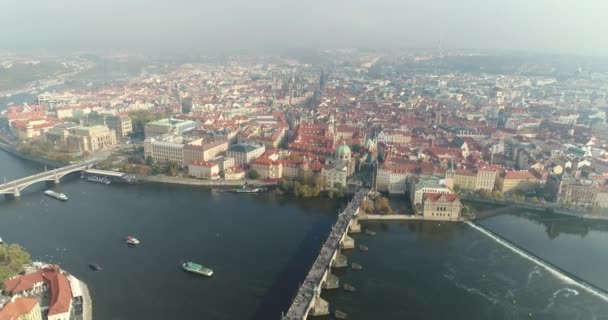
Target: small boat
(356,266)
(247,190)
(56,195)
(349,288)
(363,248)
(197,268)
(370,232)
(1,241)
(132,240)
(94,267)
(340,315)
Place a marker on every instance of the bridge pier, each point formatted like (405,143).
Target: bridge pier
(331,282)
(16,192)
(320,307)
(339,261)
(347,242)
(354,226)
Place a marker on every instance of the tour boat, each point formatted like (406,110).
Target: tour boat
(56,195)
(356,266)
(247,190)
(197,268)
(132,240)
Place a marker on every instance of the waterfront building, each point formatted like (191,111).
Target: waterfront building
(516,180)
(234,173)
(481,179)
(204,170)
(49,279)
(164,126)
(392,178)
(21,309)
(199,151)
(267,168)
(335,176)
(32,128)
(164,151)
(582,193)
(90,139)
(245,152)
(441,206)
(224,162)
(25,112)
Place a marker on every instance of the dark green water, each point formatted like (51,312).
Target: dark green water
(261,247)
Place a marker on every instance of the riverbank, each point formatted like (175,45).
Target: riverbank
(39,160)
(204,183)
(399,217)
(542,208)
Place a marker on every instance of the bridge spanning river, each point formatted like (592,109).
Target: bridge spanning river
(308,300)
(15,187)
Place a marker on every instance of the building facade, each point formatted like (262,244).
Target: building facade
(445,207)
(90,139)
(245,152)
(164,151)
(204,170)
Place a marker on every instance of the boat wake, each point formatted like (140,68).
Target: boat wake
(545,265)
(468,289)
(564,292)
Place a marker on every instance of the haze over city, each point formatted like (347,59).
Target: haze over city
(546,26)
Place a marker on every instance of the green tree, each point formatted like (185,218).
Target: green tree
(12,260)
(382,205)
(457,188)
(149,161)
(253,175)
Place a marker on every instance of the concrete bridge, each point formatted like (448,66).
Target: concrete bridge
(308,300)
(15,187)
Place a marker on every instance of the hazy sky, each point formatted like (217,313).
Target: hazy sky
(573,26)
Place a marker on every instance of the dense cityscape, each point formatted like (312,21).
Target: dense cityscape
(420,125)
(289,160)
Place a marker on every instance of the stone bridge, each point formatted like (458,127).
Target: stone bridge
(15,187)
(308,300)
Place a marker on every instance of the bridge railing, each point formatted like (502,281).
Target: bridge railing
(13,183)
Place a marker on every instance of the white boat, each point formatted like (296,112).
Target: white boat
(56,195)
(1,241)
(132,240)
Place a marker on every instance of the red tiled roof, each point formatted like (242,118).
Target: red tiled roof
(208,164)
(61,293)
(434,196)
(518,175)
(22,283)
(14,310)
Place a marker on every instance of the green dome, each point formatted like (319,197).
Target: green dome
(342,151)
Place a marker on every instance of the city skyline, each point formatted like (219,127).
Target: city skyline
(542,26)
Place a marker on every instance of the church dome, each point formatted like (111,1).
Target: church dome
(343,151)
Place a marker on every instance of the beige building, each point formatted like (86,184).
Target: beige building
(21,309)
(90,139)
(122,125)
(582,193)
(438,206)
(482,179)
(204,170)
(392,179)
(58,135)
(164,151)
(516,180)
(267,168)
(334,176)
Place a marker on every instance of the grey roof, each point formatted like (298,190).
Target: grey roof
(242,147)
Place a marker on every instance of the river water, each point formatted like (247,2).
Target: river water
(260,247)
